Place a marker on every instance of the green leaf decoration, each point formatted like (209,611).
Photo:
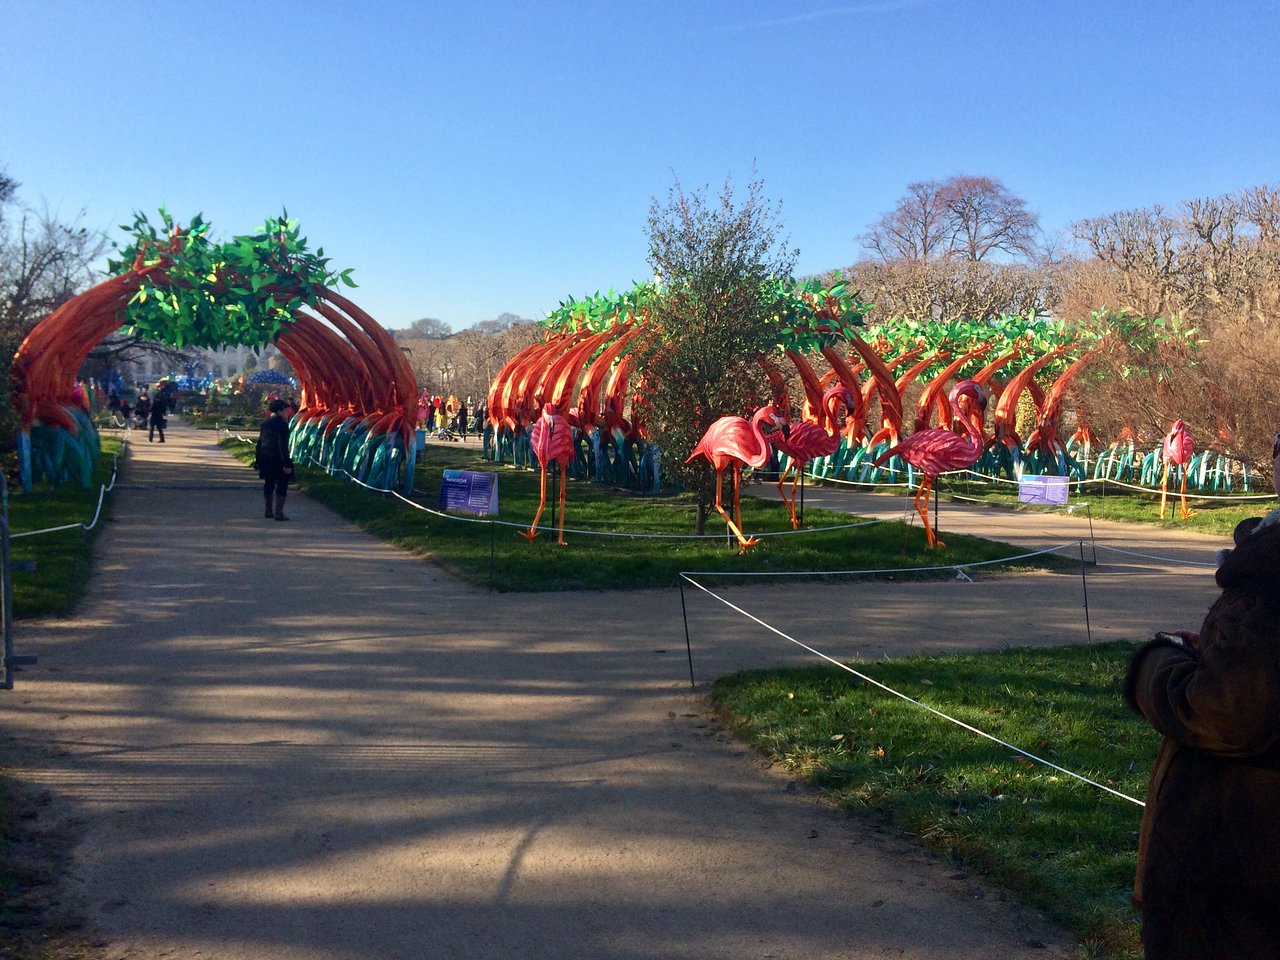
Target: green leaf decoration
(196,292)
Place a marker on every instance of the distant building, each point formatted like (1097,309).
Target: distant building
(218,364)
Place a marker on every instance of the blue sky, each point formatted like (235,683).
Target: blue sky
(468,159)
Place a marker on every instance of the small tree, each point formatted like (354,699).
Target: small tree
(714,260)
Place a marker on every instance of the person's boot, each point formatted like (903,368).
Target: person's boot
(280,507)
(269,512)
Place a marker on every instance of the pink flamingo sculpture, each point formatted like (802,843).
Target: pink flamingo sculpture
(1178,448)
(551,439)
(733,442)
(936,450)
(807,440)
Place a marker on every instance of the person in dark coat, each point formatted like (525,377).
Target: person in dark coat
(156,418)
(1208,883)
(275,467)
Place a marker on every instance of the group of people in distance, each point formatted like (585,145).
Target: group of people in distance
(447,419)
(150,412)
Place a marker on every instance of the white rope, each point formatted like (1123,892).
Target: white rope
(912,700)
(958,567)
(579,532)
(103,490)
(1151,556)
(1119,483)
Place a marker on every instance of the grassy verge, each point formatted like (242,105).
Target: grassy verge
(479,552)
(1110,502)
(62,559)
(1063,845)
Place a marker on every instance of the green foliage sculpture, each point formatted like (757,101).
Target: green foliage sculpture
(176,285)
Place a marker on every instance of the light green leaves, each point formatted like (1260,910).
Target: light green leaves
(201,293)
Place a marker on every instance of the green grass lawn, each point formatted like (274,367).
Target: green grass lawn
(1062,845)
(477,552)
(62,559)
(1112,502)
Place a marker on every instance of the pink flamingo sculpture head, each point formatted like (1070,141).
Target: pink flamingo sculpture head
(1178,448)
(552,440)
(937,450)
(805,441)
(734,443)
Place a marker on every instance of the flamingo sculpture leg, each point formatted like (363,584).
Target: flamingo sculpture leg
(1178,448)
(936,450)
(806,441)
(735,522)
(552,440)
(734,443)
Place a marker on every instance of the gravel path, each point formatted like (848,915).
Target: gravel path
(289,740)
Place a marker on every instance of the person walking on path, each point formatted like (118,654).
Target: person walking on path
(143,409)
(157,421)
(1208,882)
(274,464)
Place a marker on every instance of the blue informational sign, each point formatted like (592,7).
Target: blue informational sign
(1051,490)
(468,492)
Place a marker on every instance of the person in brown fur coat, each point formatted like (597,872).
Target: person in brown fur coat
(1208,883)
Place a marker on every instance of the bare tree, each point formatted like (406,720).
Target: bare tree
(1214,267)
(948,290)
(43,264)
(916,229)
(428,328)
(985,218)
(963,217)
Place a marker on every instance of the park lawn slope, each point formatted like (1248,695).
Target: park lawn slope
(1062,845)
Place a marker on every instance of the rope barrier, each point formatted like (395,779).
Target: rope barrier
(103,490)
(1150,556)
(958,567)
(912,700)
(312,461)
(1119,483)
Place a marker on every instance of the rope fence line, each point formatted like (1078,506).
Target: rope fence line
(956,567)
(924,706)
(312,461)
(103,490)
(1151,556)
(986,478)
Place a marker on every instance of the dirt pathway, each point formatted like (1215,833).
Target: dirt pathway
(289,740)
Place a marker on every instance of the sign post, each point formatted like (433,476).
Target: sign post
(1046,490)
(467,491)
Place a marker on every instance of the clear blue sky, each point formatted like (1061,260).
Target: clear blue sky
(473,158)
